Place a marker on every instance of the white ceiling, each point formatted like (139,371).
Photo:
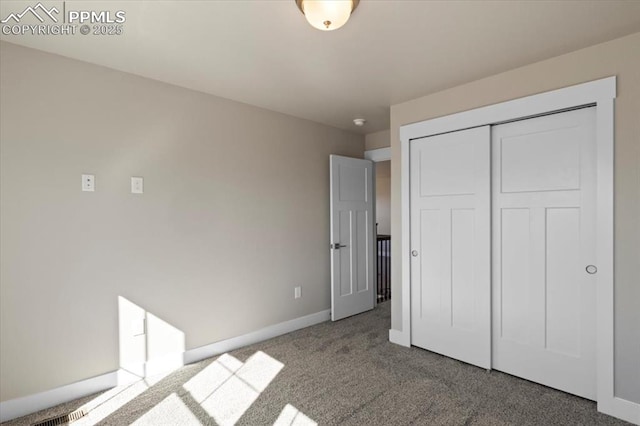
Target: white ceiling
(264,53)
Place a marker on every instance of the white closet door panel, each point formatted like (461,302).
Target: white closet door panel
(514,304)
(450,242)
(462,257)
(527,166)
(429,294)
(563,280)
(530,200)
(543,239)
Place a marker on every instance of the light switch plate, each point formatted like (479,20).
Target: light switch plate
(137,185)
(297,292)
(88,183)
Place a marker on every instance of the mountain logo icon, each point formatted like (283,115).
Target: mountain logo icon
(38,11)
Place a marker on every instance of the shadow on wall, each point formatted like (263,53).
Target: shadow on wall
(148,345)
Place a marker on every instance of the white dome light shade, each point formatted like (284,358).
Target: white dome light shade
(327,15)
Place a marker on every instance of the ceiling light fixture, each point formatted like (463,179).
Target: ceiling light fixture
(359,121)
(327,15)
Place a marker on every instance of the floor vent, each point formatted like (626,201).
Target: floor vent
(65,419)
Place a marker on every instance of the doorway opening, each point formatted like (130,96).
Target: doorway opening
(383,230)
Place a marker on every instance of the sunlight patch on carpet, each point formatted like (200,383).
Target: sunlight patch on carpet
(291,416)
(170,412)
(226,388)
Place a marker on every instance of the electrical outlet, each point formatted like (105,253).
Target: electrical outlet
(88,183)
(297,292)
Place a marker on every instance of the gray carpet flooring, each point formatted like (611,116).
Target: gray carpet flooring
(334,373)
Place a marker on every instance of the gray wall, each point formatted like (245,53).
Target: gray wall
(618,57)
(376,140)
(234,215)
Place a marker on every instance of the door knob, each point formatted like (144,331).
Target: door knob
(591,269)
(414,253)
(337,246)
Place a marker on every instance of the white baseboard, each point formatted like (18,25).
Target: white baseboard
(19,407)
(399,338)
(203,352)
(153,367)
(622,409)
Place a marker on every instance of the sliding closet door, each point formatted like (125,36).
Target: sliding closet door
(450,245)
(544,305)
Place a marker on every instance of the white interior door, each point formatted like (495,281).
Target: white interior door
(352,236)
(543,239)
(450,245)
